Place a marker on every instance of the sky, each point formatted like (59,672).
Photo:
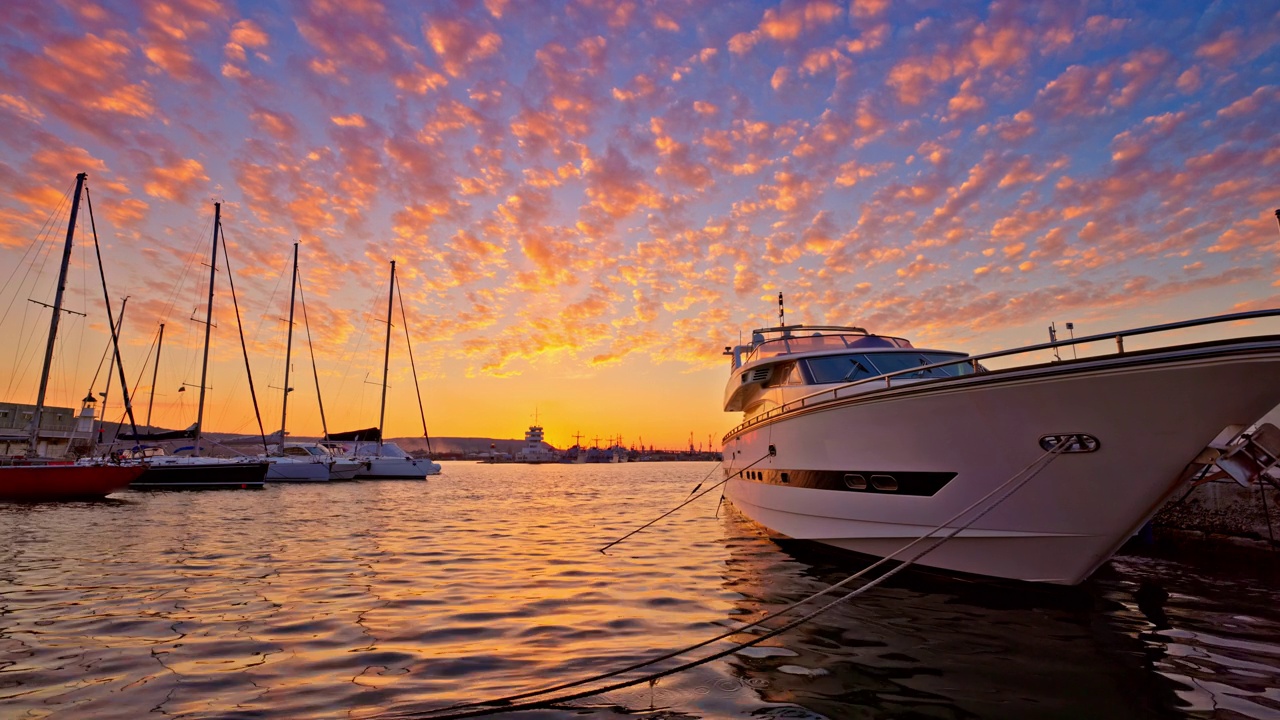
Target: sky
(588,200)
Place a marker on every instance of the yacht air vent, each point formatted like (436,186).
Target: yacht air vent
(759,374)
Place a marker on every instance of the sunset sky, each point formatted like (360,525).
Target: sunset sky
(588,200)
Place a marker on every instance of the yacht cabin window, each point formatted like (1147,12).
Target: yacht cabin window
(786,374)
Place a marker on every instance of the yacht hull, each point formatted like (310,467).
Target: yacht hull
(284,470)
(939,447)
(382,468)
(44,483)
(202,475)
(342,470)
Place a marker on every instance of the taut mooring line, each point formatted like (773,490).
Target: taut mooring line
(509,704)
(772,451)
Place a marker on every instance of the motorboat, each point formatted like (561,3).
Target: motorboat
(387,461)
(865,442)
(338,468)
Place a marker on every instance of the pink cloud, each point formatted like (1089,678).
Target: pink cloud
(171,27)
(1252,104)
(616,188)
(787,23)
(175,178)
(1079,90)
(1223,49)
(359,35)
(81,81)
(459,42)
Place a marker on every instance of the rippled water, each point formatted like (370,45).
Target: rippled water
(368,599)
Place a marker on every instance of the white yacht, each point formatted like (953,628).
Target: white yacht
(308,462)
(386,461)
(864,442)
(340,468)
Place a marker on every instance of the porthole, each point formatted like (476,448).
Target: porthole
(786,478)
(853,481)
(887,483)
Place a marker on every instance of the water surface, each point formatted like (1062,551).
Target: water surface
(379,598)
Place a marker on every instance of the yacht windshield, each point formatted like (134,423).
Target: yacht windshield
(851,368)
(811,343)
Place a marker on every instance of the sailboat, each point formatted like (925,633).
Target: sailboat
(42,479)
(384,460)
(340,467)
(170,472)
(289,466)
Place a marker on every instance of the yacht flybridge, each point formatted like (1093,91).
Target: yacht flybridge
(1037,471)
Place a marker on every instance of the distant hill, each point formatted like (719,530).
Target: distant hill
(447,445)
(459,445)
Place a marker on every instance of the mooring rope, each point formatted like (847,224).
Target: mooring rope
(505,704)
(771,453)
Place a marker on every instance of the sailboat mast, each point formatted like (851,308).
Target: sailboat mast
(57,315)
(288,347)
(154,372)
(386,356)
(208,324)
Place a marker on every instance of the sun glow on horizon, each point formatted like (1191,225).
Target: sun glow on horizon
(586,205)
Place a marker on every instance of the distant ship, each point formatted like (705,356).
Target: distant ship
(535,451)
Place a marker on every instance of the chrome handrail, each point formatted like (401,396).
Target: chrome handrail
(974,359)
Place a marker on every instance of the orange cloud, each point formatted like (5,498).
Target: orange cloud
(459,42)
(176,178)
(171,27)
(787,23)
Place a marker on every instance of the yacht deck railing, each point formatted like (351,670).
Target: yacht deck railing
(841,392)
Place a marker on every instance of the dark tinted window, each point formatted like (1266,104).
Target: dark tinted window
(840,368)
(850,368)
(893,362)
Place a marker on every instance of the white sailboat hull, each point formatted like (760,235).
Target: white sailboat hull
(964,438)
(290,470)
(344,469)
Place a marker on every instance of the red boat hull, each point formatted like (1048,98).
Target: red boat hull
(40,483)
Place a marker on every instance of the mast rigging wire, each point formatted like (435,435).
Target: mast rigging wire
(226,258)
(106,300)
(324,426)
(42,248)
(404,319)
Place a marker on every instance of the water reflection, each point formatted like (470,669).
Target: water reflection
(360,599)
